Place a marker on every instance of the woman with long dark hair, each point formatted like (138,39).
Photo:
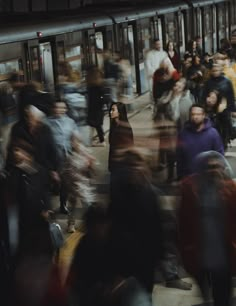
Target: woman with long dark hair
(121,134)
(216,109)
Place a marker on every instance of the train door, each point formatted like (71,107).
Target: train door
(145,44)
(215,39)
(129,50)
(103,41)
(181,33)
(221,28)
(46,61)
(208,29)
(33,65)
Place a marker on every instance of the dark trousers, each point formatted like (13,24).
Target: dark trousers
(219,281)
(100,133)
(63,196)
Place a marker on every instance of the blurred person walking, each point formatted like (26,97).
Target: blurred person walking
(206,220)
(77,171)
(62,127)
(95,85)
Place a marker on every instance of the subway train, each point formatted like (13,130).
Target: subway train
(34,46)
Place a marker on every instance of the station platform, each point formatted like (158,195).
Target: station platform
(142,125)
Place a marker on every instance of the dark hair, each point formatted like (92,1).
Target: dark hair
(121,110)
(218,95)
(197,105)
(155,40)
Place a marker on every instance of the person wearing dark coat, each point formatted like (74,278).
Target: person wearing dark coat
(95,113)
(135,215)
(222,84)
(25,196)
(34,131)
(121,134)
(206,226)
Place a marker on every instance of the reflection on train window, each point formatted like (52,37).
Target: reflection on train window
(35,68)
(99,48)
(60,51)
(10,66)
(208,21)
(73,56)
(140,42)
(146,39)
(171,28)
(92,49)
(180,22)
(131,44)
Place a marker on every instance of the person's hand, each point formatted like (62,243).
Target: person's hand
(55,176)
(222,106)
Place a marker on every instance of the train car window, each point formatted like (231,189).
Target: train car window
(35,64)
(92,49)
(60,51)
(140,42)
(74,58)
(171,28)
(109,41)
(6,68)
(126,51)
(199,22)
(99,48)
(221,21)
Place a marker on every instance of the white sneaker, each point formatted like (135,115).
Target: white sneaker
(71,228)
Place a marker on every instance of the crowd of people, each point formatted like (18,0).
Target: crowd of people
(126,241)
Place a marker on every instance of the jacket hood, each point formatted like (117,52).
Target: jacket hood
(211,161)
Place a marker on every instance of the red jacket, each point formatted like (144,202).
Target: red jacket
(189,222)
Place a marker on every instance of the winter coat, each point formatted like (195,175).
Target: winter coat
(191,143)
(95,105)
(120,137)
(42,141)
(224,86)
(190,222)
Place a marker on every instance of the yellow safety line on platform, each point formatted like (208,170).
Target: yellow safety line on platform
(67,251)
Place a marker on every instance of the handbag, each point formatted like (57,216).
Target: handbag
(56,235)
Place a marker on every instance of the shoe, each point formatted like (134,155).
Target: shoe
(64,210)
(98,144)
(71,228)
(178,284)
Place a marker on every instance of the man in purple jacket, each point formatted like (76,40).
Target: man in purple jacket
(197,136)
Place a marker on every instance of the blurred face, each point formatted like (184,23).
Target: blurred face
(194,45)
(188,62)
(114,112)
(157,45)
(197,116)
(60,109)
(211,99)
(171,46)
(180,86)
(216,71)
(197,60)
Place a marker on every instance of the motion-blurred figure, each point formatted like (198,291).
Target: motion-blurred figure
(78,169)
(207,229)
